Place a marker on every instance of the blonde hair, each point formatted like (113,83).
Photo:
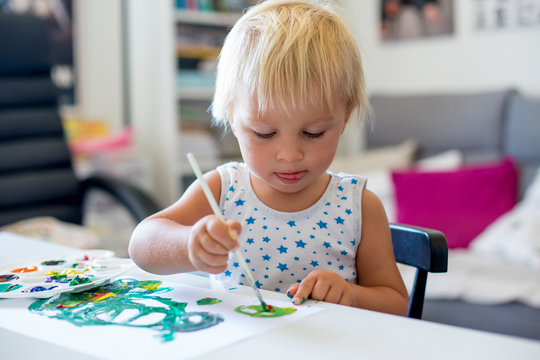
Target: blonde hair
(297,51)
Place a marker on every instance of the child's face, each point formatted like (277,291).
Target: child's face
(287,151)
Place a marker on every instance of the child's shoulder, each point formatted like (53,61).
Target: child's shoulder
(343,178)
(232,168)
(233,172)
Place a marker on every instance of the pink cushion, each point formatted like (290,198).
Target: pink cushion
(459,203)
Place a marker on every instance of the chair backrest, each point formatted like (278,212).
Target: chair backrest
(427,251)
(36,174)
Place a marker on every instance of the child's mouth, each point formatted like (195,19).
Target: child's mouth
(290,178)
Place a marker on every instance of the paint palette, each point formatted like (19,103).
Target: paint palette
(46,276)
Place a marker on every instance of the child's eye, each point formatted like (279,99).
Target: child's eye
(264,136)
(313,135)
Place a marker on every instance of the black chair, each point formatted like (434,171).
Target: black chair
(36,173)
(427,251)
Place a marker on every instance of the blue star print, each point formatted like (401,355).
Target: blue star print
(300,243)
(227,273)
(354,181)
(327,244)
(258,284)
(322,224)
(340,188)
(282,267)
(250,220)
(266,257)
(239,202)
(282,249)
(291,223)
(266,239)
(339,220)
(250,241)
(314,263)
(348,211)
(231,189)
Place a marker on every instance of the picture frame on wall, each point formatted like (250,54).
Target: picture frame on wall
(506,14)
(415,19)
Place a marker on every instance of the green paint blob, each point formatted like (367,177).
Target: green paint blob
(208,301)
(7,287)
(103,306)
(79,280)
(258,311)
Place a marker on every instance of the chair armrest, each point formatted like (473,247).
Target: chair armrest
(137,202)
(420,247)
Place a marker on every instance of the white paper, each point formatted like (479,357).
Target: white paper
(116,342)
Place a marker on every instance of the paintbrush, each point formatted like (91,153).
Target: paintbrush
(219,215)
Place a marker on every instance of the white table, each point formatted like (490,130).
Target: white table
(337,332)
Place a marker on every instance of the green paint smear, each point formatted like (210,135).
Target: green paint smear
(79,280)
(258,311)
(104,304)
(208,301)
(9,287)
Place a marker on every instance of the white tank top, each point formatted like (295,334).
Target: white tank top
(282,248)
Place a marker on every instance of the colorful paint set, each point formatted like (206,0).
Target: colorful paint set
(73,272)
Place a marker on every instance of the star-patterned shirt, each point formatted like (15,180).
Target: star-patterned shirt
(282,248)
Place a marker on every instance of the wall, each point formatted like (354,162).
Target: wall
(98,58)
(469,60)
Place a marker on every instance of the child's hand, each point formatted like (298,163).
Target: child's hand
(210,241)
(322,285)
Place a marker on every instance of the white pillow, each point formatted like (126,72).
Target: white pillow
(447,160)
(387,157)
(515,236)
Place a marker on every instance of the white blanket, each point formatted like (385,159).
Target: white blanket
(481,278)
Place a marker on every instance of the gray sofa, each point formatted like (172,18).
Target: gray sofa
(483,126)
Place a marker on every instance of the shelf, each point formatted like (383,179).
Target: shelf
(209,18)
(194,93)
(198,51)
(194,85)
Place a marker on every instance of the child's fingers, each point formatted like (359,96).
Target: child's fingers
(304,290)
(292,290)
(234,229)
(205,261)
(212,246)
(220,233)
(333,294)
(320,290)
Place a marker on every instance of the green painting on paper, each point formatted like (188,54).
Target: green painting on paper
(258,311)
(208,301)
(109,304)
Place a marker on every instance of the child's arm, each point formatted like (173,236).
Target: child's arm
(186,236)
(380,286)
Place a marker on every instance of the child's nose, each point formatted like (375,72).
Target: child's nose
(290,151)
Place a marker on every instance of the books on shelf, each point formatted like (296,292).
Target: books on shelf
(214,5)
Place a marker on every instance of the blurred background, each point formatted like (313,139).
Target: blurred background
(135,77)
